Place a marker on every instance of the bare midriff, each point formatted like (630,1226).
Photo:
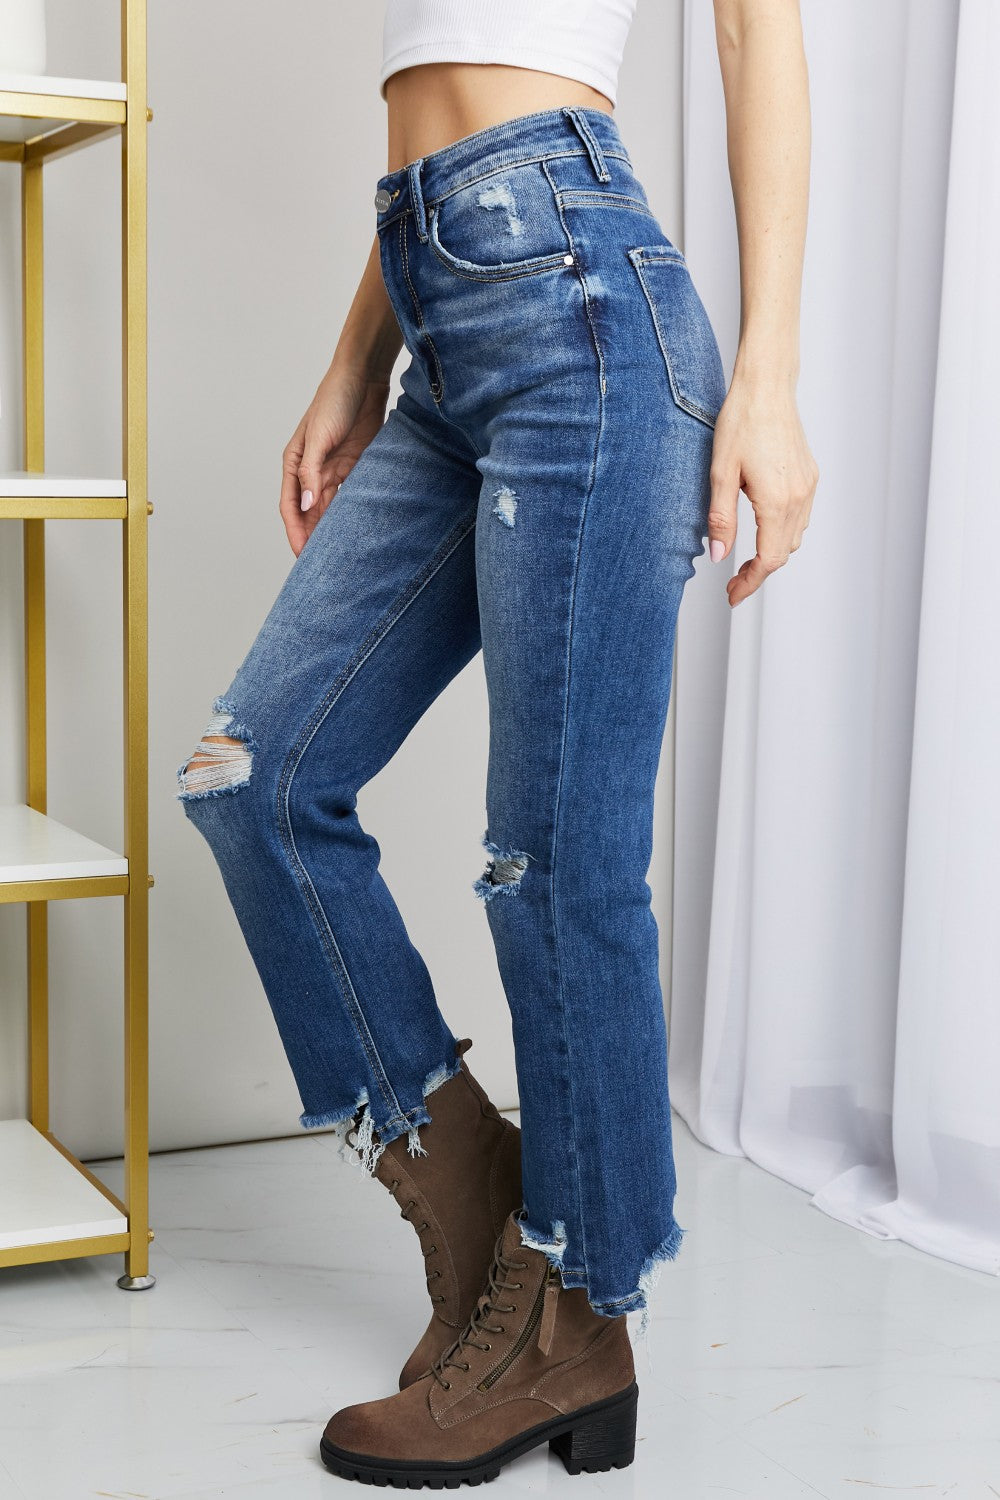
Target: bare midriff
(433,104)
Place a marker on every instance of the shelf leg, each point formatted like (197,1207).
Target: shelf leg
(135,646)
(36,790)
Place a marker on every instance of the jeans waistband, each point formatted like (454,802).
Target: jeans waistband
(566,130)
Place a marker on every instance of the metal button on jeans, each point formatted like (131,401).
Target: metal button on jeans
(382,200)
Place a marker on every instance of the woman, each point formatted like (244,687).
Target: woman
(563,442)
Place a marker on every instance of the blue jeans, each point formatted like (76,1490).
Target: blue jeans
(539,493)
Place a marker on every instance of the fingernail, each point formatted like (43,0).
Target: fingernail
(716,549)
(307,499)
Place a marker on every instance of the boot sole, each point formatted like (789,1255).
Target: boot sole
(591,1439)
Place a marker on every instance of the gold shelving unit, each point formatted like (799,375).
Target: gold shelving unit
(51,1206)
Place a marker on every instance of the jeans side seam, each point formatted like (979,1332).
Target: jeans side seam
(569,667)
(375,636)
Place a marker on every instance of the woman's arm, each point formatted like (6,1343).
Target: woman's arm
(760,446)
(347,409)
(370,339)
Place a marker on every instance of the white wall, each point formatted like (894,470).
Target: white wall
(267,138)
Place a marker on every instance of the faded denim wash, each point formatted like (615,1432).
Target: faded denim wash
(540,492)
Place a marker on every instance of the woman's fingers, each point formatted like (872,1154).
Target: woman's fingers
(307,479)
(760,447)
(344,415)
(782,517)
(310,471)
(289,506)
(722,514)
(773,551)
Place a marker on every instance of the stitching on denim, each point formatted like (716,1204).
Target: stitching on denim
(569,668)
(594,198)
(458,428)
(583,128)
(662,257)
(417,198)
(516,271)
(519,161)
(405,257)
(373,639)
(620,1301)
(375,636)
(522,161)
(445,417)
(639,258)
(583,281)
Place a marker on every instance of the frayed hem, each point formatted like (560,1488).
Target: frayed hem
(437,1076)
(365,1149)
(368,1142)
(553,1246)
(638,1301)
(330,1118)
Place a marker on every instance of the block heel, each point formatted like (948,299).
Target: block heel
(604,1439)
(485,1401)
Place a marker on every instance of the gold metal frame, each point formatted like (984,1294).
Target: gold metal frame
(88,120)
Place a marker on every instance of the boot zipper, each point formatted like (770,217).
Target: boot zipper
(534,1318)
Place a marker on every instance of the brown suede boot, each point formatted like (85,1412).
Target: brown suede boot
(457,1197)
(535,1365)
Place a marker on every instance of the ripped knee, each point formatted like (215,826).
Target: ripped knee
(503,871)
(222,762)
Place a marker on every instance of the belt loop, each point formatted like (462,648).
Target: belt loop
(417,198)
(591,142)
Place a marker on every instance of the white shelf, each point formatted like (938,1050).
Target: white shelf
(15,128)
(20,483)
(36,847)
(42,1195)
(73,88)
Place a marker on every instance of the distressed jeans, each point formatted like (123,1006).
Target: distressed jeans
(539,493)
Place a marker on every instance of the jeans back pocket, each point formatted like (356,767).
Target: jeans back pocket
(683,330)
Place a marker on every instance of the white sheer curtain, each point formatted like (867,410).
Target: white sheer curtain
(835,1009)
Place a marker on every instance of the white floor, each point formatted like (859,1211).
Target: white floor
(792,1356)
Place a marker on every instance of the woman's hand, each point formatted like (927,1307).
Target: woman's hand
(760,447)
(342,418)
(347,410)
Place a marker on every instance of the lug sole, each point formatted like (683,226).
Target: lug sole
(592,1439)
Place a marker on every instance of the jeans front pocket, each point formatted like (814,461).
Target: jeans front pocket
(503,225)
(683,330)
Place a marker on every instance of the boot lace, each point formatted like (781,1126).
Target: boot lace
(404,1213)
(488,1305)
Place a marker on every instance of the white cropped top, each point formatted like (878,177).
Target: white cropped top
(582,39)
